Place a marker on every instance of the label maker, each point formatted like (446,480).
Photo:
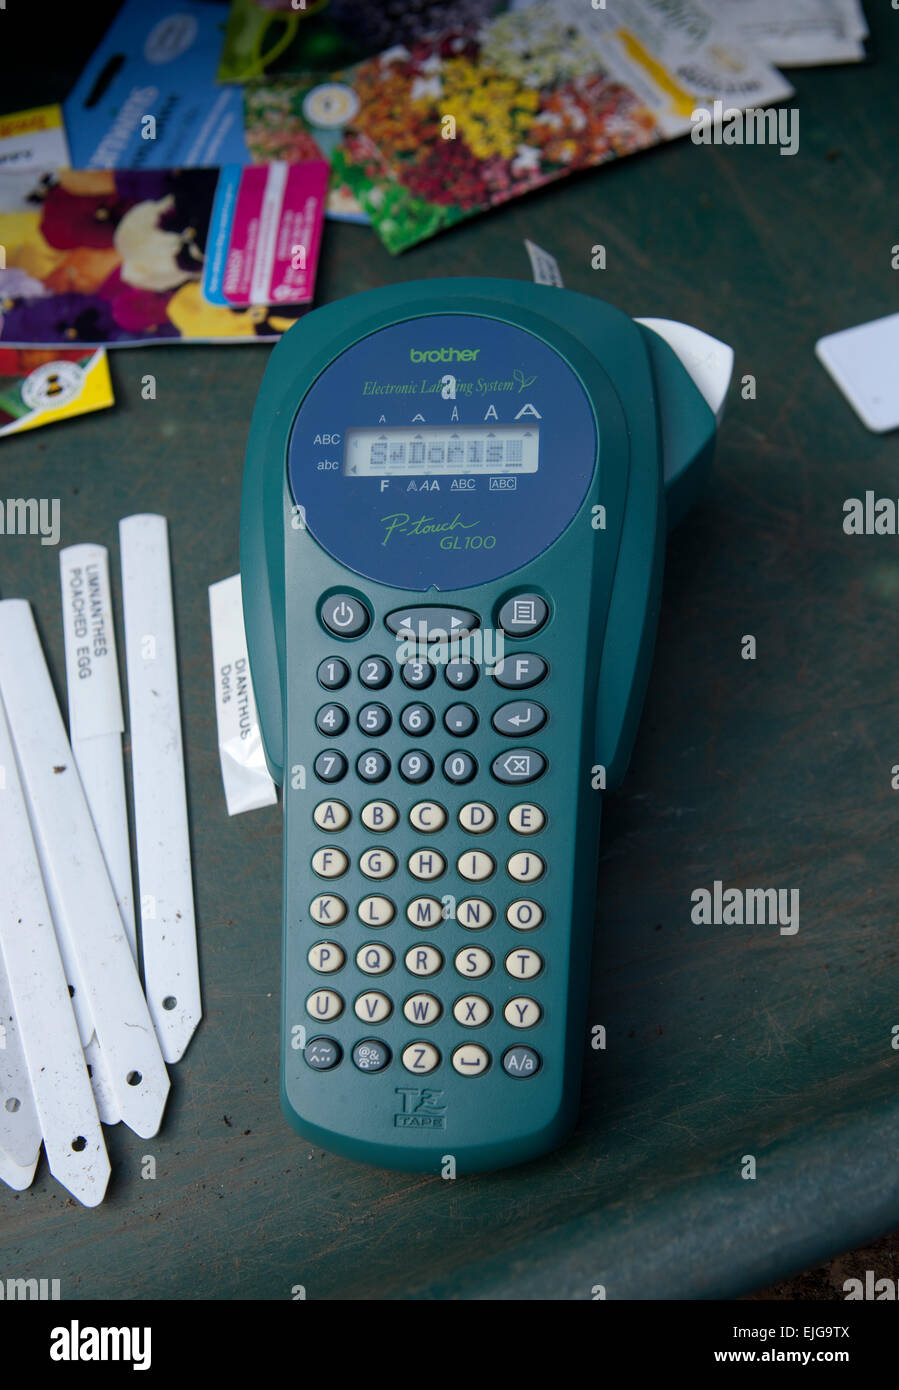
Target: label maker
(453,524)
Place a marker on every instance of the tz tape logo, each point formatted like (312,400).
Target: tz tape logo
(421,1109)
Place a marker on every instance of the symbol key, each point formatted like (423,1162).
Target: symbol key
(322,1053)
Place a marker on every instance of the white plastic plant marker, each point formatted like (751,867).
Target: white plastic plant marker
(18,1176)
(101,1081)
(20,1128)
(245,776)
(62,1093)
(864,363)
(168,925)
(95,710)
(75,874)
(78,991)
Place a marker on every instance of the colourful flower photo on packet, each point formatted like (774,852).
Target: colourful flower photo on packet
(457,124)
(113,256)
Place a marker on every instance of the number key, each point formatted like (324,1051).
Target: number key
(333,673)
(372,767)
(373,720)
(374,672)
(418,674)
(416,767)
(459,767)
(417,719)
(331,720)
(330,767)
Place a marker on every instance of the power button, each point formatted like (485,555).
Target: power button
(345,616)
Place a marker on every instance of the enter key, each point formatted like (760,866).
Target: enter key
(518,718)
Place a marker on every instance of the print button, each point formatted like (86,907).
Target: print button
(523,615)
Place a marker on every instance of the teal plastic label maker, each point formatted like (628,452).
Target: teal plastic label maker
(453,525)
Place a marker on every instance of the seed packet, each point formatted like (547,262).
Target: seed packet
(119,256)
(805,33)
(41,387)
(148,99)
(33,139)
(450,126)
(282,38)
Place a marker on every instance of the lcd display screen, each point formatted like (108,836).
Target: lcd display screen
(444,449)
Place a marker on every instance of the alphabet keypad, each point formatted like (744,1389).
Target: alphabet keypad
(451,931)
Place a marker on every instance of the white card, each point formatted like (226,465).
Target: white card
(864,362)
(244,773)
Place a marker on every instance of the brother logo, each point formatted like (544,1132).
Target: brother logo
(443,354)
